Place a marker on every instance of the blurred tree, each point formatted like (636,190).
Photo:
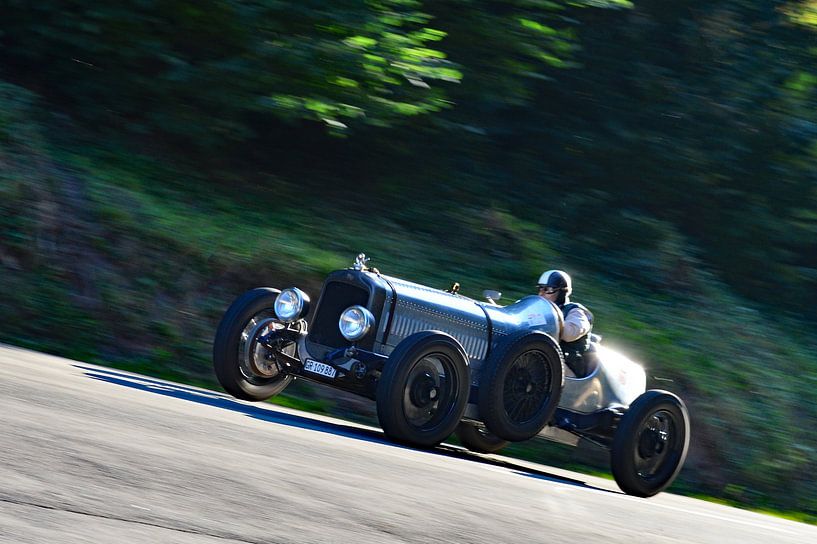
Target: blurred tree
(200,69)
(700,114)
(205,70)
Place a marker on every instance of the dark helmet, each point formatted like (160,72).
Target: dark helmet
(557,279)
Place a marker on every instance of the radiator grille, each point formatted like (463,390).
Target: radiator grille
(336,297)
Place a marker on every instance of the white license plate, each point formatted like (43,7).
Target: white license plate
(319,368)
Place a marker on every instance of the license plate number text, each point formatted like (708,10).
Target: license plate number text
(320,368)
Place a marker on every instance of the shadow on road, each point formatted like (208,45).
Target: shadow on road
(268,412)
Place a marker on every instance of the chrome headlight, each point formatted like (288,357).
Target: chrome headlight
(291,305)
(355,322)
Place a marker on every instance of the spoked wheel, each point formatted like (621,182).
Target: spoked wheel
(246,367)
(479,439)
(526,385)
(521,386)
(422,392)
(651,443)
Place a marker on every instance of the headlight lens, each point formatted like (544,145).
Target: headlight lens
(291,304)
(355,322)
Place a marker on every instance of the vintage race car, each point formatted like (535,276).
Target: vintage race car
(437,362)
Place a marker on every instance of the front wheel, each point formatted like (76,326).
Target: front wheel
(423,389)
(650,444)
(479,439)
(246,368)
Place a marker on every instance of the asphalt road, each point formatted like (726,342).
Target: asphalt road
(89,454)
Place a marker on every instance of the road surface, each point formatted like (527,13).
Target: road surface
(89,454)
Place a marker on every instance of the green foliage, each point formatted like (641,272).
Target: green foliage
(701,117)
(803,12)
(18,125)
(225,70)
(26,211)
(204,71)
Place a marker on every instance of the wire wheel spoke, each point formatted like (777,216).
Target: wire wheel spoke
(527,386)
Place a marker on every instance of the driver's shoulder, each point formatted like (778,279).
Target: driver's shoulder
(576,307)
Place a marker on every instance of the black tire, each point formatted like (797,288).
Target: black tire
(520,387)
(650,444)
(479,439)
(235,350)
(423,389)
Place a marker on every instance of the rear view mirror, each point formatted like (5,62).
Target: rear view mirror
(491,295)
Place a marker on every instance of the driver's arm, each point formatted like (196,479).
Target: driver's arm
(577,324)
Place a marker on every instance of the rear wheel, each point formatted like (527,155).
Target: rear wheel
(246,368)
(423,389)
(479,439)
(521,386)
(650,444)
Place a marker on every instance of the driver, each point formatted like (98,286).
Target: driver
(556,286)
